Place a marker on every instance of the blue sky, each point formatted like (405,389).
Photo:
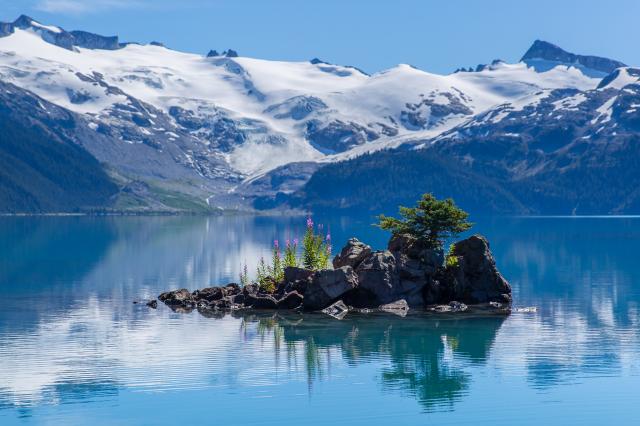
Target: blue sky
(434,35)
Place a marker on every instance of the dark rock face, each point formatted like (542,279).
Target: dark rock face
(6,29)
(261,302)
(337,135)
(476,279)
(327,286)
(212,53)
(297,108)
(291,300)
(550,52)
(295,279)
(94,41)
(429,112)
(352,254)
(376,274)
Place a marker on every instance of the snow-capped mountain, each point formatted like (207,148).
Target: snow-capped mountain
(557,151)
(225,121)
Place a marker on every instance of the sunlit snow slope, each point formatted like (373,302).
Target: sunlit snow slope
(236,118)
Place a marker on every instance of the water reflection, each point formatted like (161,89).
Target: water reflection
(69,332)
(424,357)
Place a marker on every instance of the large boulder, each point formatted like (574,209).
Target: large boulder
(407,271)
(291,300)
(260,302)
(352,254)
(475,278)
(295,279)
(327,286)
(377,276)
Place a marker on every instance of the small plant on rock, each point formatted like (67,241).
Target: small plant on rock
(451,258)
(277,268)
(264,277)
(244,275)
(291,254)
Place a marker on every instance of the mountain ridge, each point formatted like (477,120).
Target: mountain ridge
(232,132)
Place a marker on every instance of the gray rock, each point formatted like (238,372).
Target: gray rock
(451,307)
(210,294)
(250,289)
(377,275)
(399,307)
(297,108)
(291,300)
(476,279)
(327,286)
(352,254)
(338,310)
(232,289)
(260,302)
(292,274)
(180,297)
(153,304)
(95,41)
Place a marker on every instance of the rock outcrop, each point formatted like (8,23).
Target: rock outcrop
(408,275)
(476,279)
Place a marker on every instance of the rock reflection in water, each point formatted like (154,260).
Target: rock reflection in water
(422,351)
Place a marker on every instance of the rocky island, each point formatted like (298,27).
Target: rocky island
(412,273)
(404,276)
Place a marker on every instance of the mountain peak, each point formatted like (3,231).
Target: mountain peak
(23,20)
(542,50)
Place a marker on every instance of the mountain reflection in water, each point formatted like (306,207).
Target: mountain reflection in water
(74,346)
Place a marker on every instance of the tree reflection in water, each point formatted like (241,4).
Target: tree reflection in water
(427,356)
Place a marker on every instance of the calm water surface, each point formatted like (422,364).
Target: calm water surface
(74,349)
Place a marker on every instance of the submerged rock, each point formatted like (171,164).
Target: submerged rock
(337,310)
(399,307)
(451,307)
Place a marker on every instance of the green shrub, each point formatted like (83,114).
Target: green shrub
(451,258)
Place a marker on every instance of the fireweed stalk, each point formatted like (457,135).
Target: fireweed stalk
(316,254)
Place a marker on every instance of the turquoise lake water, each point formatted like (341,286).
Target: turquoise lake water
(74,349)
